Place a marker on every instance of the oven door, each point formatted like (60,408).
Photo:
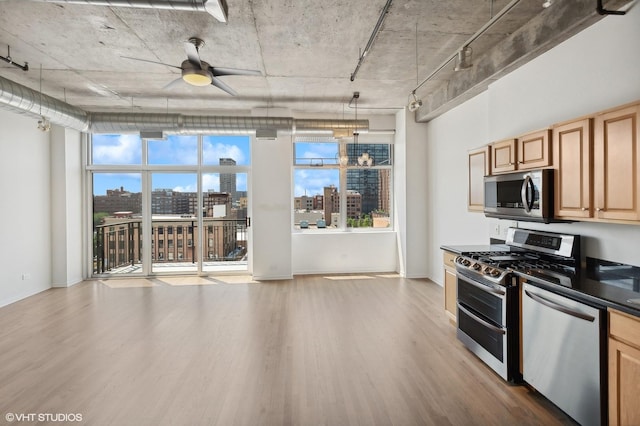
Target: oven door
(482,322)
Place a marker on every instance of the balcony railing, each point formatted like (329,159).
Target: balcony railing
(118,244)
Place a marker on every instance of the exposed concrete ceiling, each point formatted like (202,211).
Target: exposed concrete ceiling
(305,49)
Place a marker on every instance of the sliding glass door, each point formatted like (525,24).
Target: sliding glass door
(169,206)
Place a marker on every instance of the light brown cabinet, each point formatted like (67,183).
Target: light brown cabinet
(503,156)
(450,286)
(479,161)
(597,162)
(572,158)
(530,151)
(533,150)
(624,368)
(616,166)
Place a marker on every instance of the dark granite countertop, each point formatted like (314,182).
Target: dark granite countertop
(602,283)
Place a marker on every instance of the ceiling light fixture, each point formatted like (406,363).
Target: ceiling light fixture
(43,124)
(363,159)
(477,34)
(415,103)
(195,76)
(547,3)
(464,59)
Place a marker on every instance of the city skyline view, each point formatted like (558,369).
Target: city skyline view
(126,149)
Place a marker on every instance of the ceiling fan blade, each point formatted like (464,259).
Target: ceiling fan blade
(220,71)
(221,85)
(152,62)
(192,53)
(173,84)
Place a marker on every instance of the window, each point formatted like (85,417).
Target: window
(330,196)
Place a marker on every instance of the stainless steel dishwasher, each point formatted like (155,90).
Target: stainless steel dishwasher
(563,343)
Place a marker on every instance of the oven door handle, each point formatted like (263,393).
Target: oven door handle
(480,320)
(558,307)
(485,288)
(524,193)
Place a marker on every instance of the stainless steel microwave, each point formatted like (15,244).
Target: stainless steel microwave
(525,196)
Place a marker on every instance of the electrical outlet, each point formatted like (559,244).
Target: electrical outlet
(496,229)
(26,276)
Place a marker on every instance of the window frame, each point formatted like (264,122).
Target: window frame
(342,181)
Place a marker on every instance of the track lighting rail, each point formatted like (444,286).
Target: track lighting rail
(9,60)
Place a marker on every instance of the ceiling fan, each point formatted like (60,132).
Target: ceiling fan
(197,72)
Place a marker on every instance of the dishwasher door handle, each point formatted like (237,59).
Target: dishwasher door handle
(480,320)
(558,307)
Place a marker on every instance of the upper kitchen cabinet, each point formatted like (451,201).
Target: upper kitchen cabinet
(572,159)
(616,166)
(530,151)
(533,150)
(479,162)
(503,156)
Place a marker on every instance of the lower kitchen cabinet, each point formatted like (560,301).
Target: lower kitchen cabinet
(624,369)
(450,286)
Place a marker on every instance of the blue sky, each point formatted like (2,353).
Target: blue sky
(182,150)
(175,150)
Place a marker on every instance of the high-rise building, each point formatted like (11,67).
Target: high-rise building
(228,180)
(368,182)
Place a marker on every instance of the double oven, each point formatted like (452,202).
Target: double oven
(487,307)
(488,295)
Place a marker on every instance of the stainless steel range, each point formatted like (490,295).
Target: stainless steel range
(488,293)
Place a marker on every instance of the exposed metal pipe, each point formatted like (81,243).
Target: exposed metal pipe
(23,100)
(216,8)
(471,39)
(385,9)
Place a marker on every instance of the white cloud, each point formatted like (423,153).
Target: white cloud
(120,149)
(213,152)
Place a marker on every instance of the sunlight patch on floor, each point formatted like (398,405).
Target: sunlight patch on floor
(132,283)
(234,279)
(348,277)
(392,275)
(181,281)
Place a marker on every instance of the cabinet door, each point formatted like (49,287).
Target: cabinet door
(450,293)
(572,146)
(624,384)
(503,156)
(533,150)
(617,164)
(478,169)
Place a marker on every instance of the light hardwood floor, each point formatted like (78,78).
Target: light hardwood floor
(354,350)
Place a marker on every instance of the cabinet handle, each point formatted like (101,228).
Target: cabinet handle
(598,209)
(584,209)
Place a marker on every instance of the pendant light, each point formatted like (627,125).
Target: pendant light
(363,159)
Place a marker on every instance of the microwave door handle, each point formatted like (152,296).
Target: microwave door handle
(524,193)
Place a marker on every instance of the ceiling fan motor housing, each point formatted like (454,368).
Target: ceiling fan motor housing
(195,75)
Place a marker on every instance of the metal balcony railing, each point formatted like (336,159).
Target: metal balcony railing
(118,245)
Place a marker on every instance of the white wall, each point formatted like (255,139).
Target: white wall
(25,210)
(271,208)
(594,70)
(66,206)
(411,219)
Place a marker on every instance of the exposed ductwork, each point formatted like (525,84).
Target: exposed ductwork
(23,100)
(216,8)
